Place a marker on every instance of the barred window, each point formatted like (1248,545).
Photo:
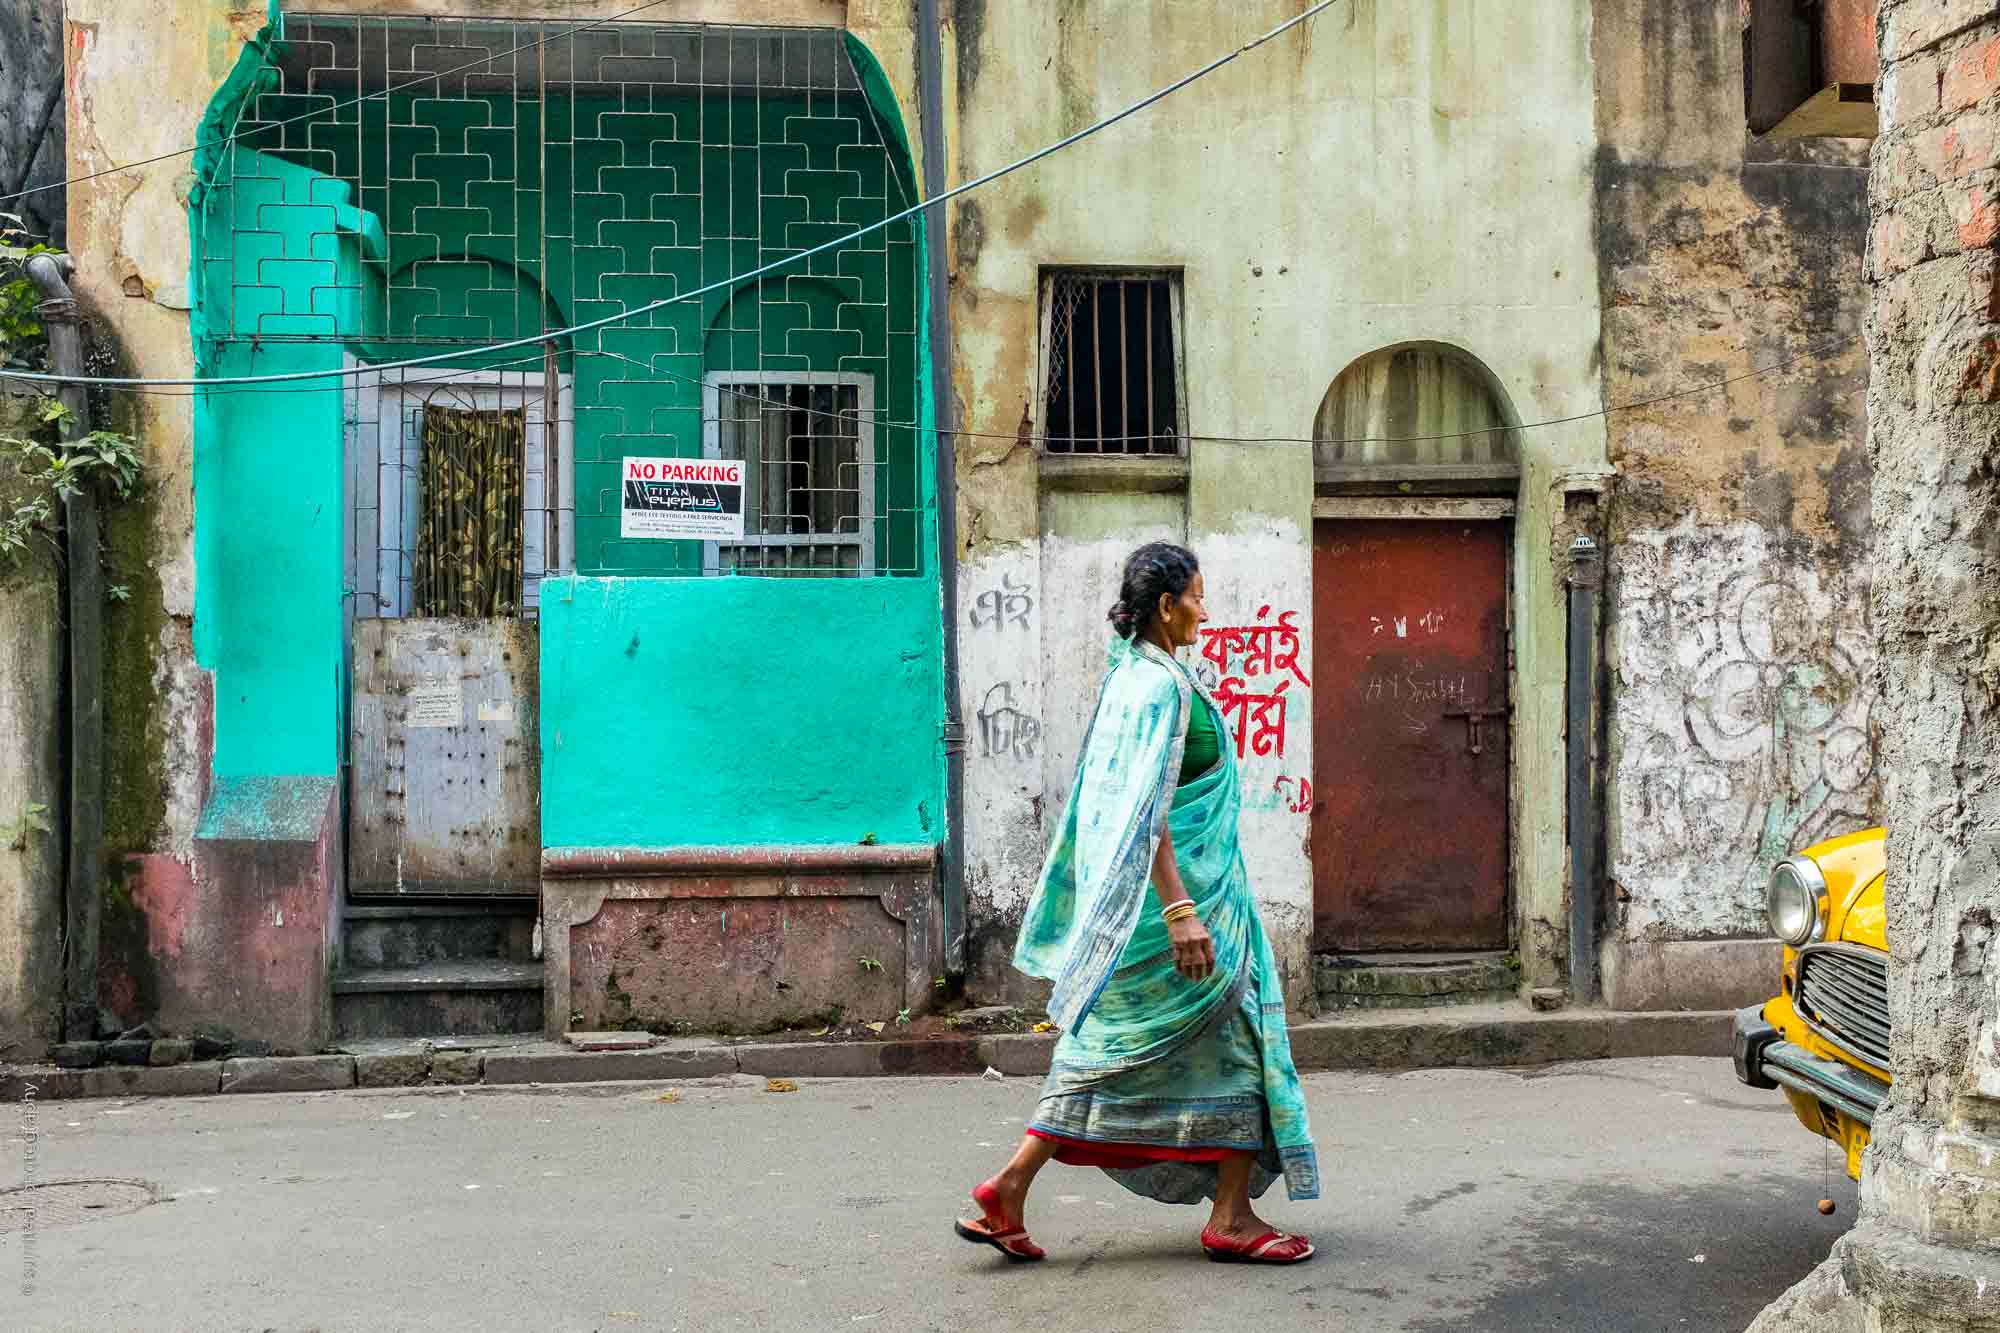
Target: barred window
(806,441)
(1111,381)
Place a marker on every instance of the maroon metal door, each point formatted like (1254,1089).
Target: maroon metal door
(1409,825)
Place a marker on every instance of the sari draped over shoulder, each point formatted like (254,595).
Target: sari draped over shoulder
(1155,1076)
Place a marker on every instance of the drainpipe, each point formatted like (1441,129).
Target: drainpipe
(930,99)
(1585,579)
(84,577)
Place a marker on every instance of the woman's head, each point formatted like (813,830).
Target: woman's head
(1161,591)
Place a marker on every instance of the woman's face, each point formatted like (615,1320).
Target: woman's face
(1182,617)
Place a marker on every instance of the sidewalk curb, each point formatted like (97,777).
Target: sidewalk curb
(1380,1040)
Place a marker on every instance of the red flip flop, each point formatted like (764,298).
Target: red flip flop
(993,1229)
(1273,1247)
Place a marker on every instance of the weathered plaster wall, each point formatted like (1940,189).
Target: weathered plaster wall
(1738,644)
(1396,172)
(140,79)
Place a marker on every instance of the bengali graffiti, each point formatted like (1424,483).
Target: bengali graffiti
(1261,649)
(1009,604)
(1005,732)
(1258,721)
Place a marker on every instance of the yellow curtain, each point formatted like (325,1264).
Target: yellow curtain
(469,535)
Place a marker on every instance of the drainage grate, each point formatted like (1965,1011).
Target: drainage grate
(68,1203)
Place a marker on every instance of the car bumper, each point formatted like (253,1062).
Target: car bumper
(1763,1060)
(1841,1086)
(1753,1036)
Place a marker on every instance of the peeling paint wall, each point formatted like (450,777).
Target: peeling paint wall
(1739,653)
(140,76)
(1329,195)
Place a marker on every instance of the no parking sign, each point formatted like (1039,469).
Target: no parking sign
(700,498)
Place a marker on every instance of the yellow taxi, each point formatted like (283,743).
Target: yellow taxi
(1824,1037)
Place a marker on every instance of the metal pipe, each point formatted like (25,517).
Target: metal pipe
(84,577)
(951,863)
(1585,580)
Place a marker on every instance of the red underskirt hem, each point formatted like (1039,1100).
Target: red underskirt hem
(1081,1152)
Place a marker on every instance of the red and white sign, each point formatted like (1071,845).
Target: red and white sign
(682,498)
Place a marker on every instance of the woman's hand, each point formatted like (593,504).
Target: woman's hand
(1194,950)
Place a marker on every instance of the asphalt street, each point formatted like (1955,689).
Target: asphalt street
(1616,1195)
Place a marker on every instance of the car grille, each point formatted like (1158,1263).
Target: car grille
(1844,994)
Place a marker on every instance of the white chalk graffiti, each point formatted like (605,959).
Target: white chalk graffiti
(1742,720)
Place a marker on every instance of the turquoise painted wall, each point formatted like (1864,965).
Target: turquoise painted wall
(269,470)
(740,711)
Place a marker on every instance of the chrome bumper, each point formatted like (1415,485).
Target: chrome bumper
(1753,1036)
(1840,1086)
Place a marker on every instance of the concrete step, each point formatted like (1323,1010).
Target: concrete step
(1413,980)
(462,998)
(376,935)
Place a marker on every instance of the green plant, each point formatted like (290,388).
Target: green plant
(870,964)
(902,1018)
(22,344)
(59,471)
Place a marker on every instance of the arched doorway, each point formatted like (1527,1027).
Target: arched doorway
(1416,465)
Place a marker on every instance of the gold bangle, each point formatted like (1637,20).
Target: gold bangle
(1177,911)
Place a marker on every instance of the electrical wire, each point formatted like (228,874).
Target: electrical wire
(1042,440)
(447,377)
(337,106)
(736,280)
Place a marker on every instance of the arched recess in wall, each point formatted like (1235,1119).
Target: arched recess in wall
(1424,418)
(436,303)
(796,385)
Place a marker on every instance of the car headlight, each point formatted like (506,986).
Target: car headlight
(1791,904)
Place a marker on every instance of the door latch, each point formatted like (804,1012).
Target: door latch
(1475,722)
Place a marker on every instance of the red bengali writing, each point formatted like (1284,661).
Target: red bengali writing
(1242,654)
(713,471)
(1264,648)
(1258,719)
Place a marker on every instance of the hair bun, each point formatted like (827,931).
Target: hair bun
(1156,570)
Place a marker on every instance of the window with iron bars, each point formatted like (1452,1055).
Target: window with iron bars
(806,441)
(1111,374)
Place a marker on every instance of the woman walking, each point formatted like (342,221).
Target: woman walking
(1173,1072)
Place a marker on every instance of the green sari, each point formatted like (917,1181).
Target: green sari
(1148,1060)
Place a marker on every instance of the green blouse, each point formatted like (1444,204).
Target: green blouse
(1204,744)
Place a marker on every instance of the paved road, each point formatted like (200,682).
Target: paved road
(1641,1195)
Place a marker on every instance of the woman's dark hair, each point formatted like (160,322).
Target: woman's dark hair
(1154,569)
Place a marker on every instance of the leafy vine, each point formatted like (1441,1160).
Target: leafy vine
(53,468)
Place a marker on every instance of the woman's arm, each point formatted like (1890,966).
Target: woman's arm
(1194,951)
